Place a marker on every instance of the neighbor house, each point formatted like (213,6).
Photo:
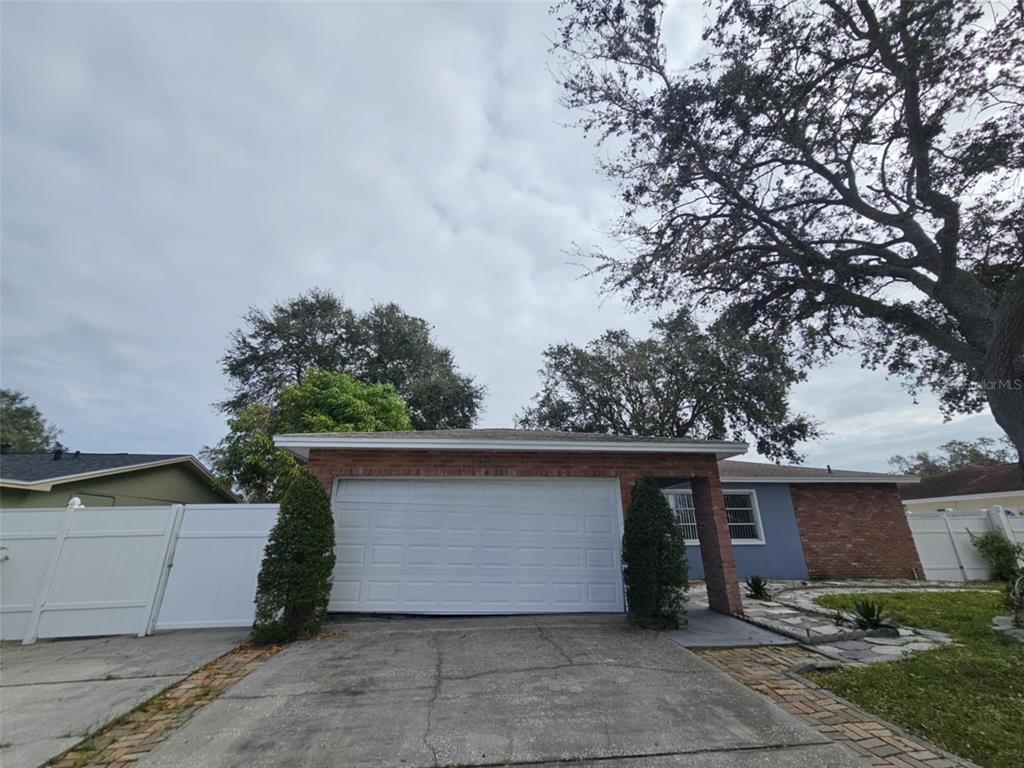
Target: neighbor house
(52,478)
(520,521)
(968,489)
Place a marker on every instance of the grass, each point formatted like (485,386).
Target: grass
(967,698)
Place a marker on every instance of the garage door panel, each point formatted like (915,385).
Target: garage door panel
(477,546)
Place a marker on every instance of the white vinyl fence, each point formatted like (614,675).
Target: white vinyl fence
(85,571)
(216,560)
(943,541)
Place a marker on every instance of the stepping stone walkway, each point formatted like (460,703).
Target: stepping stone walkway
(794,614)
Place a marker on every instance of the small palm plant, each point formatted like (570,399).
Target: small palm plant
(757,588)
(871,614)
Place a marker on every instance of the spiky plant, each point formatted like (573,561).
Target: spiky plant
(871,614)
(757,588)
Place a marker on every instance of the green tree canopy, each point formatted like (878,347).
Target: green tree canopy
(956,454)
(22,426)
(317,332)
(680,382)
(246,459)
(847,172)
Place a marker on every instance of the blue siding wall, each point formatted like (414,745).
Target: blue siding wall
(782,555)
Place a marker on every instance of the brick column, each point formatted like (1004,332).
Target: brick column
(716,546)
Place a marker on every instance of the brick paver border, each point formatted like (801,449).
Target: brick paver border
(121,742)
(767,669)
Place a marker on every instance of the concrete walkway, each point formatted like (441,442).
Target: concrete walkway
(492,692)
(53,693)
(707,629)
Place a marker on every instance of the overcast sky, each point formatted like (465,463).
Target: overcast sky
(165,166)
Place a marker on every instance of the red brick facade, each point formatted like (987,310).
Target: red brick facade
(719,568)
(854,531)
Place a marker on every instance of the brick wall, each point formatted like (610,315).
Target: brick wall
(331,463)
(854,531)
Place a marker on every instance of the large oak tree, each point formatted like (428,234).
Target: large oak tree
(318,332)
(680,382)
(846,171)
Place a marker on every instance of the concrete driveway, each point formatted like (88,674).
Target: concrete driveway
(55,692)
(494,692)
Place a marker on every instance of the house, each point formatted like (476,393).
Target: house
(52,478)
(520,521)
(968,489)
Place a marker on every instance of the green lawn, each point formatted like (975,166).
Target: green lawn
(968,699)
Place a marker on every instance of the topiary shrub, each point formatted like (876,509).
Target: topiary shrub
(1001,554)
(294,583)
(654,563)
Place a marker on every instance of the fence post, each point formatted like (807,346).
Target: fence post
(997,518)
(956,548)
(170,543)
(32,630)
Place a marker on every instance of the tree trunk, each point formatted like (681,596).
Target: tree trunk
(1002,370)
(1008,409)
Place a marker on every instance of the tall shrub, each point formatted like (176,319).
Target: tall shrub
(294,583)
(654,563)
(1001,554)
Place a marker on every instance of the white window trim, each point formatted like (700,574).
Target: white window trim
(757,518)
(760,541)
(683,492)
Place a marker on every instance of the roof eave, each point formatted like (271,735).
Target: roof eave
(300,445)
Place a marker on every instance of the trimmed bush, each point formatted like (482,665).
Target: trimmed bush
(294,583)
(654,563)
(1000,553)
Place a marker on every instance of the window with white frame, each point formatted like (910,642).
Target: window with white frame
(740,510)
(744,522)
(682,504)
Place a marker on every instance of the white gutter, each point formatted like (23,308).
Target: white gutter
(300,445)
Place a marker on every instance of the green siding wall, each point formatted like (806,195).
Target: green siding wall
(172,484)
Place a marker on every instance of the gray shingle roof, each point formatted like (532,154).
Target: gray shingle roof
(36,467)
(750,469)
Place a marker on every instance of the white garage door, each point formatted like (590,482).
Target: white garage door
(477,546)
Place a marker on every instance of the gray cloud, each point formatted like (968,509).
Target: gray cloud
(168,165)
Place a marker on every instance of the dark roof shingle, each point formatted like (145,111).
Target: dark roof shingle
(730,468)
(37,467)
(998,478)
